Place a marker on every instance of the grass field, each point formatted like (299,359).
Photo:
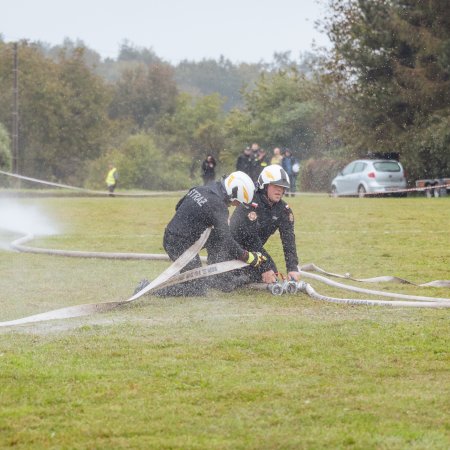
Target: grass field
(242,370)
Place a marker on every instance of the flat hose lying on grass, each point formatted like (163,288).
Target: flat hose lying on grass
(168,277)
(93,308)
(83,310)
(383,279)
(172,276)
(371,291)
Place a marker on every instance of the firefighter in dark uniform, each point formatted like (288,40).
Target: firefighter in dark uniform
(203,207)
(252,226)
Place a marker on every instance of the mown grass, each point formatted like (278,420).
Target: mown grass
(231,371)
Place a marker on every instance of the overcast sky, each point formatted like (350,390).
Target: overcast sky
(240,30)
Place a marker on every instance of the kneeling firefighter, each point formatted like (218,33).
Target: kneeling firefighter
(252,225)
(203,207)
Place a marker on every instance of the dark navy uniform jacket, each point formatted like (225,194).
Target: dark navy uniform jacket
(245,163)
(252,227)
(200,208)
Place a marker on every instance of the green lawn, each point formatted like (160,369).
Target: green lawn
(244,370)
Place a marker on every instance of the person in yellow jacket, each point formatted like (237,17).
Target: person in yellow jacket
(111,179)
(277,157)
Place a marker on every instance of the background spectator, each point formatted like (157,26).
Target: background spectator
(111,179)
(292,167)
(262,160)
(255,149)
(277,156)
(245,161)
(209,169)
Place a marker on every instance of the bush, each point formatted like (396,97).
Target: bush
(142,165)
(316,174)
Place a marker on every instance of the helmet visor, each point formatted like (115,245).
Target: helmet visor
(283,181)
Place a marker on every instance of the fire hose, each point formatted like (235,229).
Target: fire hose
(168,277)
(171,276)
(292,287)
(386,278)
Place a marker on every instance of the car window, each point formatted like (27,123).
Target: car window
(348,169)
(359,167)
(387,166)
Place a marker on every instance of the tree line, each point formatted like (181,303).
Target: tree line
(384,86)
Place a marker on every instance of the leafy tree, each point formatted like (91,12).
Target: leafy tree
(428,148)
(69,49)
(63,113)
(280,111)
(84,130)
(209,76)
(196,128)
(144,94)
(129,52)
(221,76)
(391,65)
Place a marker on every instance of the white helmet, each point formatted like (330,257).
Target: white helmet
(240,187)
(274,174)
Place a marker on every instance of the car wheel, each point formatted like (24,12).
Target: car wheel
(361,191)
(334,191)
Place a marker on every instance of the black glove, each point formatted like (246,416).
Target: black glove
(255,259)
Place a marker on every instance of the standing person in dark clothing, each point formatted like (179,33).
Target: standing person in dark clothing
(209,169)
(262,161)
(292,168)
(252,227)
(255,149)
(245,161)
(203,207)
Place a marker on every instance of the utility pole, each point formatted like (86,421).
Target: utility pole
(15,114)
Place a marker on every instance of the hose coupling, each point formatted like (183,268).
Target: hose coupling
(276,288)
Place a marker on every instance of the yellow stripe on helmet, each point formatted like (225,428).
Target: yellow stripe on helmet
(230,179)
(246,196)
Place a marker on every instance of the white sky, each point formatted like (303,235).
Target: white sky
(240,30)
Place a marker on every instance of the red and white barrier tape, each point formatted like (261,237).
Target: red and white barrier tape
(416,189)
(396,191)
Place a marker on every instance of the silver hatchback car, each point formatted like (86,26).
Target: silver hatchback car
(370,176)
